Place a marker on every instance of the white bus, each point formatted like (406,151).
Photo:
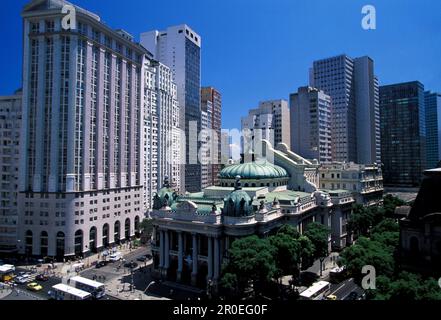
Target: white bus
(316,291)
(64,292)
(97,289)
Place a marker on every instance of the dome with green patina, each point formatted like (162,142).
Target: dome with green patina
(165,197)
(254,170)
(238,203)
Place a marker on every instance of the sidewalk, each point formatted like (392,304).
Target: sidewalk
(4,291)
(120,289)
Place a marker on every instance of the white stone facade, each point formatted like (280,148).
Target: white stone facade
(364,181)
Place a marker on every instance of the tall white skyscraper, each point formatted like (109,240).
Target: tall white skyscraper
(165,128)
(82,145)
(179,47)
(310,111)
(10,123)
(353,87)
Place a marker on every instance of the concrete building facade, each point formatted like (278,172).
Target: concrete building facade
(270,121)
(353,88)
(81,176)
(210,95)
(310,111)
(365,182)
(10,124)
(179,48)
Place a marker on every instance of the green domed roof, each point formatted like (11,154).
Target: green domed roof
(254,170)
(238,203)
(165,197)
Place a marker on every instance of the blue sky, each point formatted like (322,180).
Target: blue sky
(255,50)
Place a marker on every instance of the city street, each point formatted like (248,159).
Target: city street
(343,289)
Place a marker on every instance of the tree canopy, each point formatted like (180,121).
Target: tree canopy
(318,234)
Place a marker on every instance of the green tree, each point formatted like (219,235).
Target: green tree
(406,287)
(287,254)
(251,259)
(289,230)
(390,203)
(229,286)
(146,227)
(307,252)
(387,233)
(318,234)
(360,220)
(368,252)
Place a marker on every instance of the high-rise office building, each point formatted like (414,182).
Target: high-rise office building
(166,127)
(403,133)
(353,88)
(310,111)
(205,137)
(272,119)
(82,143)
(432,103)
(10,124)
(212,100)
(179,47)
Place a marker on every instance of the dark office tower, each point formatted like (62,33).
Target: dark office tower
(211,97)
(403,133)
(179,48)
(433,128)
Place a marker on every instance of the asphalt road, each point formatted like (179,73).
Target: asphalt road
(111,271)
(343,289)
(47,285)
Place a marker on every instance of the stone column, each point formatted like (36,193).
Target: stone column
(180,255)
(161,249)
(194,273)
(166,253)
(210,258)
(217,259)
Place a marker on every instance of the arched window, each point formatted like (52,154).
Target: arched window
(106,235)
(44,243)
(117,231)
(137,226)
(92,240)
(127,229)
(60,242)
(29,242)
(79,243)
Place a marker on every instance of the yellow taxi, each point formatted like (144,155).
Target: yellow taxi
(33,286)
(331,297)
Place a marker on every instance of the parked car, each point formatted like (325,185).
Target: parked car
(33,286)
(21,280)
(115,257)
(100,264)
(145,258)
(42,277)
(131,265)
